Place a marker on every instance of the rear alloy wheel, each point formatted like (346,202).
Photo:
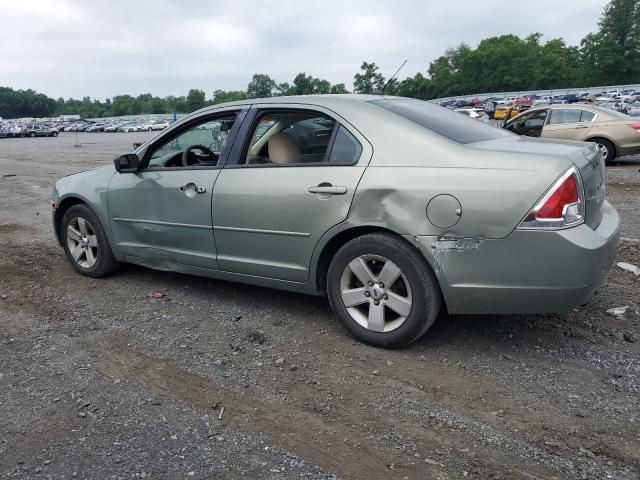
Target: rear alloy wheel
(607,149)
(85,243)
(383,290)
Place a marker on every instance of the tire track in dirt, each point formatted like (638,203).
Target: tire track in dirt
(339,449)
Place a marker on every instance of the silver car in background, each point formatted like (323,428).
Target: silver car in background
(392,207)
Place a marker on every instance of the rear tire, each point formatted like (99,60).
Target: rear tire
(388,315)
(607,148)
(85,243)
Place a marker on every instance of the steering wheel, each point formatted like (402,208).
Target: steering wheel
(187,152)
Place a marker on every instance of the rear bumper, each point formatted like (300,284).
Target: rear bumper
(527,272)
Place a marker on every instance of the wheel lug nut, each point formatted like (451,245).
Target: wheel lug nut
(367,294)
(370,283)
(381,285)
(376,302)
(385,296)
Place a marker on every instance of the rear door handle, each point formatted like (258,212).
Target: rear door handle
(582,126)
(328,190)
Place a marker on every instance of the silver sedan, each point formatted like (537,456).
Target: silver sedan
(393,208)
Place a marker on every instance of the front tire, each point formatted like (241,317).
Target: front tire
(382,290)
(85,243)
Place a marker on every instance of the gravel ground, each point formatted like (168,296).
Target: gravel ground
(100,380)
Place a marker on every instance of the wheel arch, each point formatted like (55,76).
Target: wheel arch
(65,204)
(340,238)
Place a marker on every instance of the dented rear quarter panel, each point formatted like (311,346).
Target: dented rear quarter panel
(411,166)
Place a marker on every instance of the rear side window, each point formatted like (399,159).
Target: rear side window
(346,149)
(565,116)
(587,116)
(442,121)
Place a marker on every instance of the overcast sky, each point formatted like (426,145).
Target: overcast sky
(74,48)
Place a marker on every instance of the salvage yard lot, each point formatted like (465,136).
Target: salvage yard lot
(101,380)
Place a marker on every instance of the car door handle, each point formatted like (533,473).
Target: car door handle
(328,189)
(582,126)
(191,189)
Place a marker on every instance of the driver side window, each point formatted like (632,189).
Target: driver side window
(199,146)
(530,124)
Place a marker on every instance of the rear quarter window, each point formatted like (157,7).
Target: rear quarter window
(442,121)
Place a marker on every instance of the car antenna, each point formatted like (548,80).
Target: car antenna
(392,77)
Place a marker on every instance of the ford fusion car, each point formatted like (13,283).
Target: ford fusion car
(393,208)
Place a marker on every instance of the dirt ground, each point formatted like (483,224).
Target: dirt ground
(99,380)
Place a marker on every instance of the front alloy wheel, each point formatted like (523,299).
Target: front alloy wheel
(85,242)
(82,242)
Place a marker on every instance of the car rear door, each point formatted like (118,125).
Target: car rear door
(568,124)
(267,215)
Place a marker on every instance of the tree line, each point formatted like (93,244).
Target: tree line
(609,56)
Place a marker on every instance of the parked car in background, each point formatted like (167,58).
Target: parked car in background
(570,98)
(506,111)
(615,134)
(131,127)
(38,130)
(5,131)
(113,127)
(97,127)
(160,125)
(487,222)
(544,100)
(474,113)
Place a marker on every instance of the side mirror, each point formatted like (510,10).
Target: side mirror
(127,163)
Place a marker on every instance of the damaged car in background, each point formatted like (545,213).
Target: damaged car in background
(393,208)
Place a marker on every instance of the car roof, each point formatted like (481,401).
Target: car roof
(320,100)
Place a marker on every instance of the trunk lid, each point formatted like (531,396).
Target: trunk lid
(585,156)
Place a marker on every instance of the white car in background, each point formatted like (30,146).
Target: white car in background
(475,113)
(134,127)
(160,125)
(544,100)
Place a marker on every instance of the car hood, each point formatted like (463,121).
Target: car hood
(103,169)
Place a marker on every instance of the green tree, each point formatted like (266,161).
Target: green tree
(221,96)
(612,55)
(368,79)
(195,99)
(260,86)
(339,88)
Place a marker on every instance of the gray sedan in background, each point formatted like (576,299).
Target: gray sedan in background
(392,207)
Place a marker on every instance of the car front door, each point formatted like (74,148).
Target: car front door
(529,124)
(162,213)
(290,180)
(568,124)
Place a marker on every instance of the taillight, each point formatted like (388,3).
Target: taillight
(562,206)
(635,126)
